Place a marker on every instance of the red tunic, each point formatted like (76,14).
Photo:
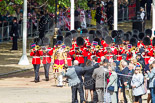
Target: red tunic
(36,56)
(148,55)
(47,56)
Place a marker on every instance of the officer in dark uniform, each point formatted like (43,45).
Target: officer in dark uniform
(14,34)
(110,13)
(148,8)
(98,16)
(42,25)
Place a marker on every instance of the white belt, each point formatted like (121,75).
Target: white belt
(46,56)
(36,56)
(146,56)
(118,55)
(109,55)
(69,59)
(79,55)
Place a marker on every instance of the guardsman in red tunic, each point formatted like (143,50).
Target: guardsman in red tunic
(140,42)
(47,53)
(88,51)
(68,44)
(36,61)
(148,51)
(79,52)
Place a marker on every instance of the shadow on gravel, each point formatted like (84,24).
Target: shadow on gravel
(25,74)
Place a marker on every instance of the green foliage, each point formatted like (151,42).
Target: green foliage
(7,7)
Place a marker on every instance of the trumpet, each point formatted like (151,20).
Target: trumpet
(67,48)
(98,47)
(133,49)
(37,47)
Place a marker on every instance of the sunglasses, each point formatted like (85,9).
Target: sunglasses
(137,69)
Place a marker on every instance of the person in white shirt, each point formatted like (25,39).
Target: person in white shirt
(142,14)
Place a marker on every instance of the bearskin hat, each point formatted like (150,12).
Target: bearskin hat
(68,42)
(68,34)
(153,41)
(135,31)
(135,36)
(99,33)
(46,41)
(92,32)
(59,37)
(80,41)
(120,33)
(114,33)
(98,40)
(118,41)
(73,31)
(126,37)
(133,41)
(37,41)
(146,41)
(59,32)
(91,38)
(108,39)
(129,32)
(148,32)
(105,29)
(85,31)
(141,36)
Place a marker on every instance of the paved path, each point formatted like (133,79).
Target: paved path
(21,88)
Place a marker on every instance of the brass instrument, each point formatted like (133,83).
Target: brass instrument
(133,48)
(37,47)
(98,47)
(67,48)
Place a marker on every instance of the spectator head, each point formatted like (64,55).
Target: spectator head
(76,63)
(95,59)
(14,19)
(105,62)
(101,63)
(141,9)
(65,66)
(153,64)
(131,66)
(88,63)
(137,70)
(124,64)
(112,66)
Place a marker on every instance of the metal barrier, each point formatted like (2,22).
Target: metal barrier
(32,30)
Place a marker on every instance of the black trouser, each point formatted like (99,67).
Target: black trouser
(148,10)
(123,88)
(79,88)
(36,71)
(46,68)
(14,45)
(138,99)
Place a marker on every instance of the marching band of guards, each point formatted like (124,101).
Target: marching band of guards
(87,44)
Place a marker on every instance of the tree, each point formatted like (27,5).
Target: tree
(9,6)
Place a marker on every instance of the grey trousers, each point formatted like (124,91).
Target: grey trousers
(114,97)
(100,93)
(46,68)
(36,70)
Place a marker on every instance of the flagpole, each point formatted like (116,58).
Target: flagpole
(24,60)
